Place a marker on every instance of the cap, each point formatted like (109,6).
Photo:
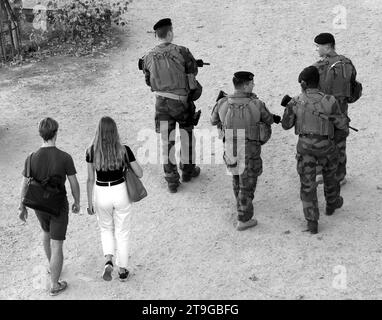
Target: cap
(324,38)
(244,75)
(163,23)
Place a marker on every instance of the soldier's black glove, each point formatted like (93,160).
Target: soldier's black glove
(276,118)
(147,78)
(285,100)
(140,64)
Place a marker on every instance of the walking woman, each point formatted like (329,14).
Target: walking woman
(107,159)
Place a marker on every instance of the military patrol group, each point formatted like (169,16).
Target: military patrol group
(319,115)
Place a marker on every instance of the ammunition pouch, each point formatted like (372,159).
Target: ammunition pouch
(260,132)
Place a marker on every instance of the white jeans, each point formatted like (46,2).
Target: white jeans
(112,207)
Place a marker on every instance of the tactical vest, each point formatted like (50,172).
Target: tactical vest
(246,116)
(336,76)
(167,69)
(308,121)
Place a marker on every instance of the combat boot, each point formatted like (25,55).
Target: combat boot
(186,177)
(241,226)
(173,187)
(312,227)
(338,204)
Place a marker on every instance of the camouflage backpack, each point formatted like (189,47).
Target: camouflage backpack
(242,116)
(336,76)
(167,68)
(308,113)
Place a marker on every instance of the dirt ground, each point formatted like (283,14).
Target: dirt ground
(184,245)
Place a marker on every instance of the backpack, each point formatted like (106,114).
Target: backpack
(309,121)
(167,69)
(336,76)
(241,116)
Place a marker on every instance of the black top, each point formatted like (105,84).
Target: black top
(51,162)
(109,175)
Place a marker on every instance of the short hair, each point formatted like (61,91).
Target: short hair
(239,83)
(310,76)
(48,128)
(162,32)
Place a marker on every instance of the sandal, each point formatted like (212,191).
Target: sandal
(62,285)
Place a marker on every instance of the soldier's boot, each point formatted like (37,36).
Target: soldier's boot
(312,227)
(186,177)
(336,205)
(241,226)
(173,187)
(172,177)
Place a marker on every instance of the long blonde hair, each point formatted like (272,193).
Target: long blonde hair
(109,153)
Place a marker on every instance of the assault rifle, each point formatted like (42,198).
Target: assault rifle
(199,62)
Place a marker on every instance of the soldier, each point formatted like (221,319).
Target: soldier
(316,117)
(337,78)
(170,71)
(243,112)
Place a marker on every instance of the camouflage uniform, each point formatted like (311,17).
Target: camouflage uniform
(244,184)
(169,111)
(340,136)
(315,151)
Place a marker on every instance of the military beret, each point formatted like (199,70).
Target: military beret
(324,38)
(163,23)
(244,75)
(309,75)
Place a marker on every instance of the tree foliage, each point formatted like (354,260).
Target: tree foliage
(86,20)
(73,26)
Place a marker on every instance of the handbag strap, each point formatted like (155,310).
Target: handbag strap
(29,165)
(127,160)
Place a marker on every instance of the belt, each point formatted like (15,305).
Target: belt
(313,135)
(109,183)
(171,96)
